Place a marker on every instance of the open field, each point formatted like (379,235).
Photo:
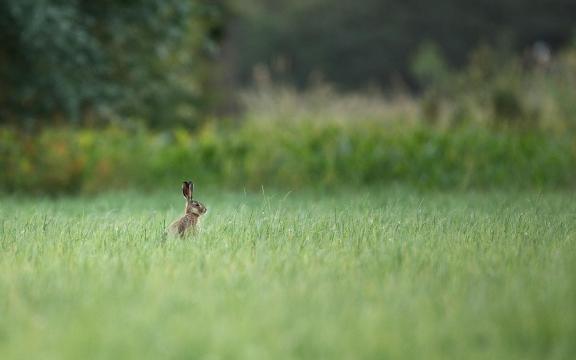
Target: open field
(365,274)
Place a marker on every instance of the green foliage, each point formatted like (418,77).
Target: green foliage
(501,90)
(289,155)
(506,105)
(89,61)
(429,65)
(354,275)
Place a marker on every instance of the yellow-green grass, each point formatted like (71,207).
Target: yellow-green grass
(350,274)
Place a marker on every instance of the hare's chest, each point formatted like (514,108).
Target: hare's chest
(191,221)
(187,224)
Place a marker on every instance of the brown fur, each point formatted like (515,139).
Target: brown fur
(194,209)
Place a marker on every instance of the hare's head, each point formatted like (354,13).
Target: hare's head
(192,206)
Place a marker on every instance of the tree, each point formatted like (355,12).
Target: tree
(83,60)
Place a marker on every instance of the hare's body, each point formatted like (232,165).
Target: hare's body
(194,209)
(184,225)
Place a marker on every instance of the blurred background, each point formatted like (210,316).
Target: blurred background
(437,94)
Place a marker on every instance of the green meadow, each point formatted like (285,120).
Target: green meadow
(384,179)
(368,273)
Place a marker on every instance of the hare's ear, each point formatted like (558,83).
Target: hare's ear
(191,188)
(186,190)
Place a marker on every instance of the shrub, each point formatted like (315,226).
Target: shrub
(287,155)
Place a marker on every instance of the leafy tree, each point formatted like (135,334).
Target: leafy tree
(82,60)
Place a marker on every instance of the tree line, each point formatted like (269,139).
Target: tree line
(170,62)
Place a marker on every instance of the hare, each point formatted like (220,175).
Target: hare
(187,223)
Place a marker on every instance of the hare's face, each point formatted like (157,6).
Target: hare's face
(196,208)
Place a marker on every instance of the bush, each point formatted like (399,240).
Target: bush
(288,155)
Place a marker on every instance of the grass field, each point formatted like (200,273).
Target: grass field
(365,274)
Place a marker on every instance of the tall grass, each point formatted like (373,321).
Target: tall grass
(496,89)
(290,275)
